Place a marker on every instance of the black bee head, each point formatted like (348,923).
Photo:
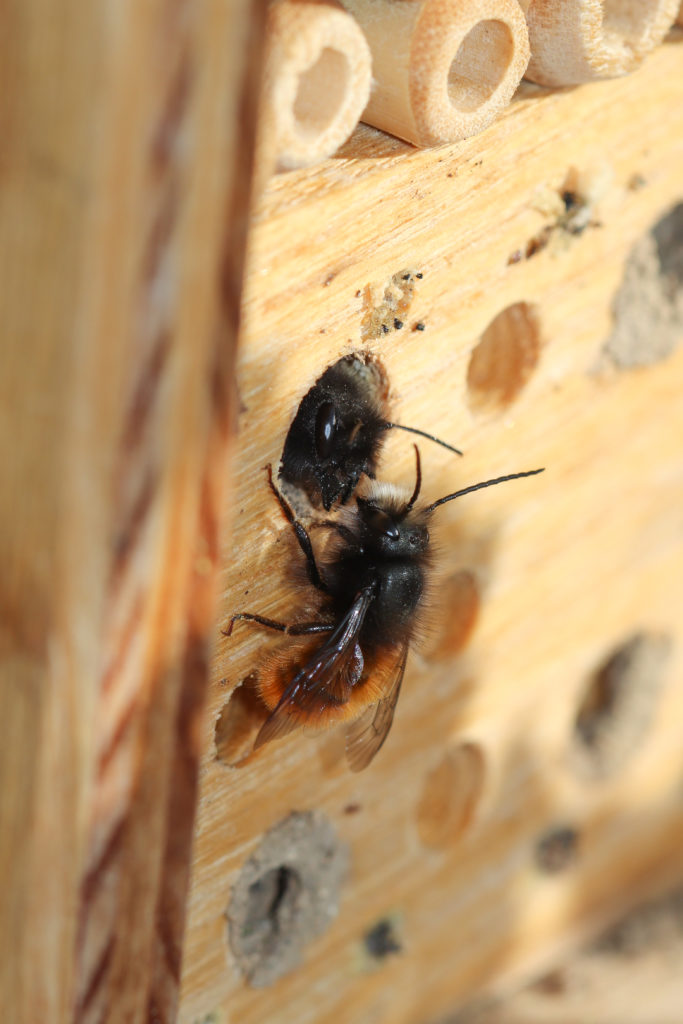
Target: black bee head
(337,433)
(389,531)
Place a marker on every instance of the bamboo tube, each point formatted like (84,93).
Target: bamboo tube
(574,41)
(316,82)
(442,70)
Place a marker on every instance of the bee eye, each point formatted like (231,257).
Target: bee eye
(382,524)
(325,428)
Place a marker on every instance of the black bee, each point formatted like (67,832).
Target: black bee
(348,664)
(338,431)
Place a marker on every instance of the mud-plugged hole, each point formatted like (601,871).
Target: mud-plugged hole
(480,64)
(321,92)
(618,705)
(238,723)
(648,308)
(460,600)
(286,895)
(557,849)
(451,795)
(504,359)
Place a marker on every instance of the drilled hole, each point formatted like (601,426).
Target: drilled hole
(451,795)
(480,64)
(618,705)
(286,895)
(382,940)
(503,361)
(648,308)
(238,723)
(557,850)
(321,92)
(460,601)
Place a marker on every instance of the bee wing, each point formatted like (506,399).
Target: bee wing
(365,736)
(325,679)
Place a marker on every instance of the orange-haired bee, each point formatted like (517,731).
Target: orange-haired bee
(372,588)
(338,432)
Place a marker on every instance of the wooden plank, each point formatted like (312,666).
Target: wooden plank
(567,566)
(123,197)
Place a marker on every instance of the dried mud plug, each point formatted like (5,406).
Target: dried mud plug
(286,895)
(619,704)
(337,434)
(648,308)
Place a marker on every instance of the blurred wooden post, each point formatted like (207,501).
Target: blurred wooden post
(124,188)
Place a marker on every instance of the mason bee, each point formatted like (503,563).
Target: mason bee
(347,665)
(338,432)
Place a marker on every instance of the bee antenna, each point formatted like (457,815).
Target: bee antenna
(418,482)
(422,433)
(478,487)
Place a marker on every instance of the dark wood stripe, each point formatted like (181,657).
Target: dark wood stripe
(126,637)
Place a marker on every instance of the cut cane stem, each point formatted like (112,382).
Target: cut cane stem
(443,70)
(574,41)
(316,83)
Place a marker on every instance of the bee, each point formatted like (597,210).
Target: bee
(338,432)
(347,666)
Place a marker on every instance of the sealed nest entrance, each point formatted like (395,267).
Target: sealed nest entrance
(648,308)
(618,705)
(286,895)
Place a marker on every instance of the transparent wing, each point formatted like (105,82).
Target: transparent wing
(365,736)
(324,680)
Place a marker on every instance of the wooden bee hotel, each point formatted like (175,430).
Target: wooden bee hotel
(342,638)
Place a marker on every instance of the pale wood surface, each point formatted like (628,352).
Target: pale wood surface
(631,975)
(568,565)
(128,133)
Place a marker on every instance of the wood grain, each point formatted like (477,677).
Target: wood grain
(567,565)
(123,194)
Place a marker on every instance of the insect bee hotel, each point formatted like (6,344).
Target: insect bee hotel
(371,638)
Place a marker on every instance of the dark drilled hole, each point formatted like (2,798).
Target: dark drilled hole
(557,850)
(381,941)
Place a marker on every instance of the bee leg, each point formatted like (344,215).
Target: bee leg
(297,629)
(331,524)
(301,535)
